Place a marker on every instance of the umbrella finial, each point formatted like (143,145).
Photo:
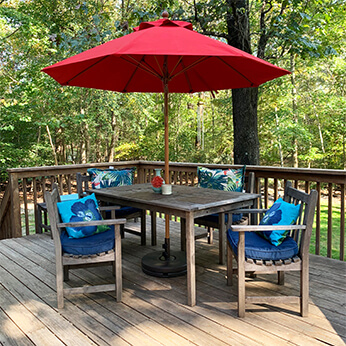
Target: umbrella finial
(165,15)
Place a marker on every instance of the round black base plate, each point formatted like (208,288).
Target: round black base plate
(155,264)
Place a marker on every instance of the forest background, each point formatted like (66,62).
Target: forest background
(301,117)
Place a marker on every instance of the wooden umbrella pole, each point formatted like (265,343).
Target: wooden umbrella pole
(167,245)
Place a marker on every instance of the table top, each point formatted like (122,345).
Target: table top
(184,198)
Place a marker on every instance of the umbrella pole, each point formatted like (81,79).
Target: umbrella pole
(166,263)
(166,246)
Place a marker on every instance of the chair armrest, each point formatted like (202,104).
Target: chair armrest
(109,207)
(92,223)
(254,228)
(249,211)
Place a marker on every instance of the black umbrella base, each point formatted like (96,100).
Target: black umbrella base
(155,264)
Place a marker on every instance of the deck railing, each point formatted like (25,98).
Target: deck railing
(18,207)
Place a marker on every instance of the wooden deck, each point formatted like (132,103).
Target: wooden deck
(154,310)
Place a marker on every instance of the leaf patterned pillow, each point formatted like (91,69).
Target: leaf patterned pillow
(219,179)
(102,178)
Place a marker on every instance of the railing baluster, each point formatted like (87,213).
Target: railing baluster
(342,223)
(318,220)
(266,193)
(25,197)
(330,219)
(275,189)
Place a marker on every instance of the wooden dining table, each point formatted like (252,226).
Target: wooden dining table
(186,202)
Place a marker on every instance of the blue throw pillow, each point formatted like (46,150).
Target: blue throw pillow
(219,179)
(102,178)
(84,209)
(280,213)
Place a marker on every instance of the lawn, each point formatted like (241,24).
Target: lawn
(324,231)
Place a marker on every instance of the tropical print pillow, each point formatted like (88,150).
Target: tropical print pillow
(103,178)
(218,179)
(280,213)
(84,209)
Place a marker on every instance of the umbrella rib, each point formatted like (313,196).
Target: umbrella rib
(186,76)
(190,66)
(158,65)
(176,65)
(88,68)
(231,67)
(138,64)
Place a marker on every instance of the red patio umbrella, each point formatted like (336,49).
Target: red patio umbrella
(164,56)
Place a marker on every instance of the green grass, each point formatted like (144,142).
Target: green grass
(324,231)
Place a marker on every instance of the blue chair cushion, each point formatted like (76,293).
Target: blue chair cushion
(219,179)
(68,197)
(84,209)
(257,247)
(103,178)
(94,244)
(280,213)
(214,218)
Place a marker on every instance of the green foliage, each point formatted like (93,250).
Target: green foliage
(85,125)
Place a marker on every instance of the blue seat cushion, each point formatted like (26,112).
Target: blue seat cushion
(97,243)
(257,247)
(214,218)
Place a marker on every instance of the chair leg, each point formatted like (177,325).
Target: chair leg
(122,231)
(241,275)
(183,234)
(304,289)
(229,265)
(59,283)
(153,228)
(118,265)
(66,273)
(210,235)
(281,277)
(143,228)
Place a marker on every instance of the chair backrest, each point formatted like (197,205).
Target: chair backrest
(52,198)
(307,202)
(82,184)
(250,182)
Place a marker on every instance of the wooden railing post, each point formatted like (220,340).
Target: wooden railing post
(16,223)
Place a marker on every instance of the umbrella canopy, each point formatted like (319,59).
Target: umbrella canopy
(164,52)
(164,56)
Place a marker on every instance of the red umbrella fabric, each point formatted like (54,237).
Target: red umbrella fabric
(160,52)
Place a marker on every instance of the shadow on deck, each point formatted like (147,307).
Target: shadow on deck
(154,310)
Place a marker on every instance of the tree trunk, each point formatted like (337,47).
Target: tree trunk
(200,123)
(246,143)
(52,145)
(294,111)
(244,101)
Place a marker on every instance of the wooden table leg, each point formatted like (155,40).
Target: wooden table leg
(190,259)
(222,240)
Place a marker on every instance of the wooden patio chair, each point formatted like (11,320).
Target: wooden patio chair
(83,182)
(257,255)
(212,221)
(98,249)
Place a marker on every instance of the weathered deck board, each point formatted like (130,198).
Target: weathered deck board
(153,310)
